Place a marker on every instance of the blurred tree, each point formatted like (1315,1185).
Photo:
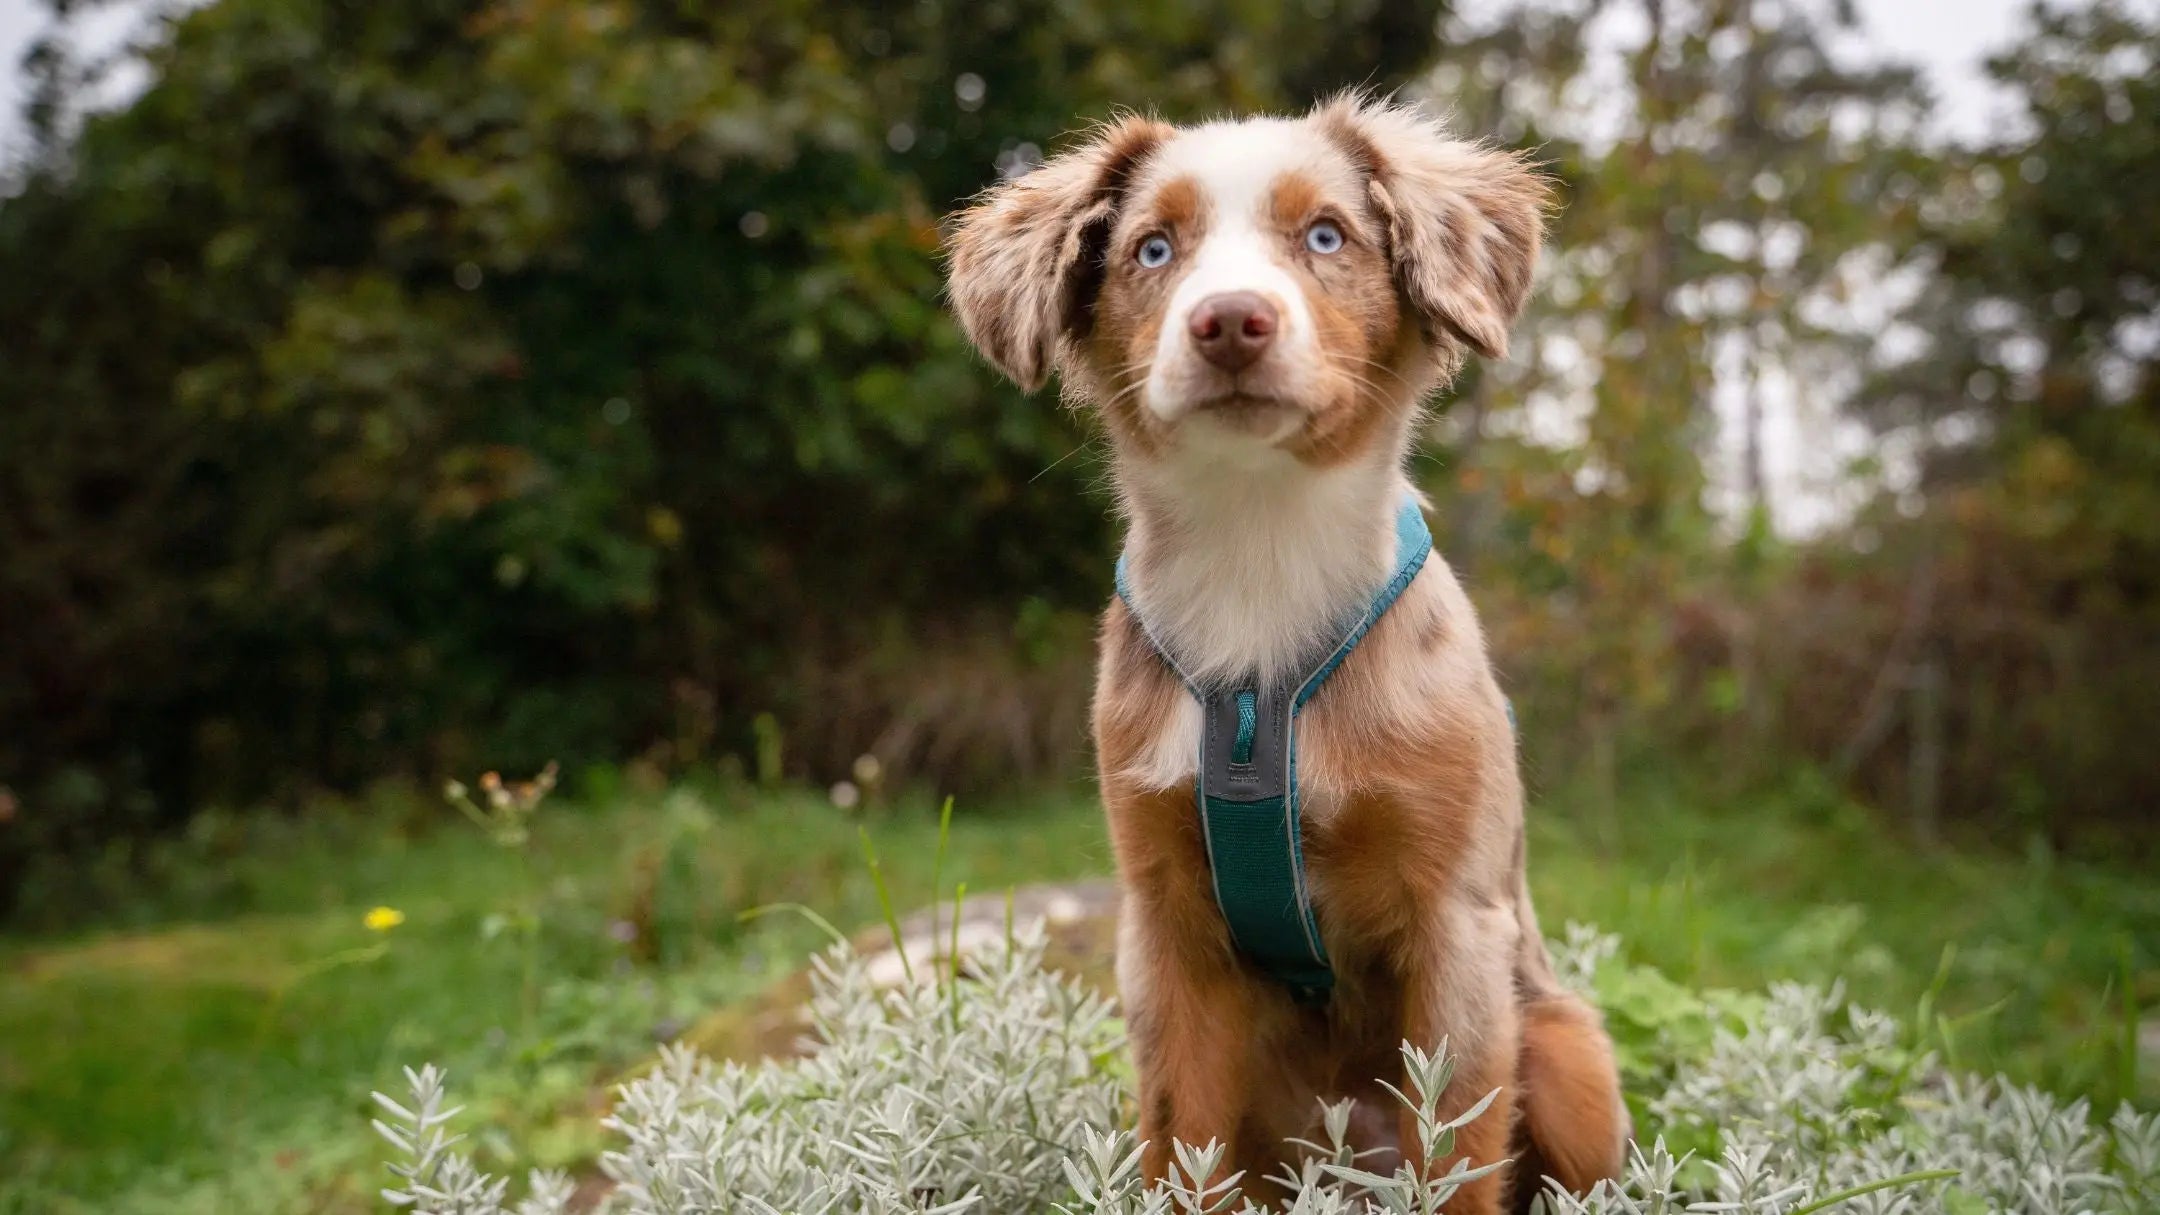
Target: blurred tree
(1750,210)
(1727,179)
(2025,402)
(417,384)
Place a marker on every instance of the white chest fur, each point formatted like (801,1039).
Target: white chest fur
(1240,571)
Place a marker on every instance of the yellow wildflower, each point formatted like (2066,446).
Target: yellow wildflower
(383,919)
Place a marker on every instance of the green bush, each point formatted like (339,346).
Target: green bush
(436,384)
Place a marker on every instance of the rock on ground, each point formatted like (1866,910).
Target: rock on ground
(1081,918)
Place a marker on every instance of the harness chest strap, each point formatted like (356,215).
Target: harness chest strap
(1247,790)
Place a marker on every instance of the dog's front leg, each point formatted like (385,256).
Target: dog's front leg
(1461,989)
(1190,1013)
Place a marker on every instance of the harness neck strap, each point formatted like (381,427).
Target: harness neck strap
(1247,788)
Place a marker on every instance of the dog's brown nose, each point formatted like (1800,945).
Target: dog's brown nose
(1233,328)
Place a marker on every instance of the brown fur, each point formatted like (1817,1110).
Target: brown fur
(1027,259)
(1121,341)
(1414,837)
(1465,221)
(1354,303)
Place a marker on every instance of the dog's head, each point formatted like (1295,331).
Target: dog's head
(1269,284)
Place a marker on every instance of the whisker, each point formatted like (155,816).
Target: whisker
(1083,446)
(1377,365)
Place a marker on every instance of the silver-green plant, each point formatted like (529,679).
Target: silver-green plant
(1000,1092)
(1421,1190)
(925,1097)
(433,1179)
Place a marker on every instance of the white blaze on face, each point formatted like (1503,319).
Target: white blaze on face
(1236,167)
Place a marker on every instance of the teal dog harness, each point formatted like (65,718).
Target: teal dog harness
(1247,787)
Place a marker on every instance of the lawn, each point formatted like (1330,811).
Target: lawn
(211,1048)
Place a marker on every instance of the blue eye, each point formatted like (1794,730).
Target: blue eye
(1155,252)
(1323,237)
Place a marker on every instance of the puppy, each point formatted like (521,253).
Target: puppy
(1257,310)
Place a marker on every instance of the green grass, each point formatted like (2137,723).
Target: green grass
(214,1054)
(2024,963)
(137,1066)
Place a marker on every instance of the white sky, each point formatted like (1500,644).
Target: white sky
(100,30)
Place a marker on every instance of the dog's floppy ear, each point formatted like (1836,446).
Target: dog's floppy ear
(1464,222)
(1027,258)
